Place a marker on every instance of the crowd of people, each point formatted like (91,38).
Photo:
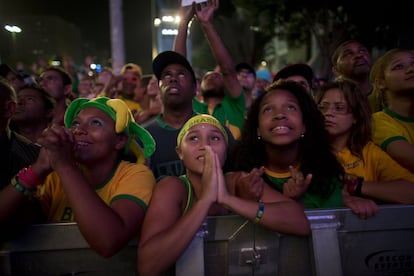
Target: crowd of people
(152,155)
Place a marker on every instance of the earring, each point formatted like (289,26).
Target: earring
(259,137)
(302,135)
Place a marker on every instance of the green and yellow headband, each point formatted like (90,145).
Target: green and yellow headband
(124,123)
(200,119)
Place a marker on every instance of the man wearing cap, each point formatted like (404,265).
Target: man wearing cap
(131,79)
(57,82)
(263,79)
(222,92)
(177,83)
(299,72)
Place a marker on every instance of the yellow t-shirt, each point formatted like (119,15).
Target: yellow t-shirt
(130,181)
(377,165)
(388,126)
(134,106)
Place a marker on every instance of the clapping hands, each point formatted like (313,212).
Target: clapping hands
(57,146)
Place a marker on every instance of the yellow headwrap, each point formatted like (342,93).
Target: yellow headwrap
(200,119)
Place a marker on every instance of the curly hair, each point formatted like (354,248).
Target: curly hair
(361,131)
(315,157)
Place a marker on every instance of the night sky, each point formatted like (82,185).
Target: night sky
(89,16)
(92,17)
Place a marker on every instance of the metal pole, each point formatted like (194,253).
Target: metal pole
(117,35)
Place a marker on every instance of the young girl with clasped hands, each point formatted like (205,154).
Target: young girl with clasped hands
(180,204)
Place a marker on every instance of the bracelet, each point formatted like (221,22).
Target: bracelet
(354,185)
(358,189)
(260,212)
(15,183)
(28,176)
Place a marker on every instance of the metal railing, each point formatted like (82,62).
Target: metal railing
(340,244)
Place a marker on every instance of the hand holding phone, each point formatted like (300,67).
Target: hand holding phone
(185,3)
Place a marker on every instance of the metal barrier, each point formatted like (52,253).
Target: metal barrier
(340,244)
(60,249)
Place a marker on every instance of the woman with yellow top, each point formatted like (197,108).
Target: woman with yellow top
(392,76)
(81,176)
(348,121)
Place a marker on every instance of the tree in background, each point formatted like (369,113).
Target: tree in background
(248,28)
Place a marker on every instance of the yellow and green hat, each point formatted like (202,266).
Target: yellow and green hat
(124,123)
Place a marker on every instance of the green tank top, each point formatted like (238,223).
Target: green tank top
(189,191)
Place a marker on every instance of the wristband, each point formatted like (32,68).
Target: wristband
(354,185)
(29,177)
(15,183)
(358,189)
(260,212)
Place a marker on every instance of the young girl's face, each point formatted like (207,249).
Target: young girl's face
(399,72)
(338,116)
(192,148)
(280,118)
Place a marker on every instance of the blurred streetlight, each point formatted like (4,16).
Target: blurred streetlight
(13,28)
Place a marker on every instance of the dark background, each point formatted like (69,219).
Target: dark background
(382,24)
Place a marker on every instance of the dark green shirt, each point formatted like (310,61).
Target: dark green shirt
(310,200)
(230,112)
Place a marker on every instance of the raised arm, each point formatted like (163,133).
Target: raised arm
(223,58)
(180,42)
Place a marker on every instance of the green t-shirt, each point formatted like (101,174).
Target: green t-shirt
(309,200)
(230,112)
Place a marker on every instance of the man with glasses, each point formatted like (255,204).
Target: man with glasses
(247,78)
